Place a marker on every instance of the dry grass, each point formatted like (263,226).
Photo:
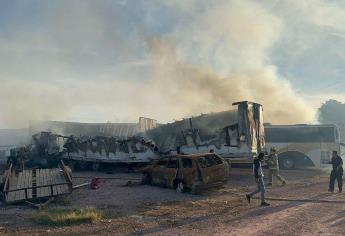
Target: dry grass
(181,210)
(62,217)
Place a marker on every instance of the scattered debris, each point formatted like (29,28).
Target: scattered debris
(81,185)
(95,183)
(35,184)
(131,183)
(41,205)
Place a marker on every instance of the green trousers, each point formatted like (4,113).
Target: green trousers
(275,173)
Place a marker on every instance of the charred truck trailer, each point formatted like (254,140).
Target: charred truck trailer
(236,135)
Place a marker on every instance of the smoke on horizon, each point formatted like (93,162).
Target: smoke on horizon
(219,57)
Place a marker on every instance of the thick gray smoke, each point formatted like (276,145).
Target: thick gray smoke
(220,56)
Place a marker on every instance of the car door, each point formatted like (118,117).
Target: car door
(171,172)
(213,168)
(164,173)
(158,173)
(188,171)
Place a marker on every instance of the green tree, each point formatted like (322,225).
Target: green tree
(333,112)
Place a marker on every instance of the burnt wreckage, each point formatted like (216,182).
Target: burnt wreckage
(236,134)
(48,149)
(231,134)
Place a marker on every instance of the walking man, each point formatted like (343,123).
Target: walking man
(259,179)
(273,167)
(337,172)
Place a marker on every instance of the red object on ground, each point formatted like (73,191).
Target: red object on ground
(95,182)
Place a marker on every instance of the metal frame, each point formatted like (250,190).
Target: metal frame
(66,175)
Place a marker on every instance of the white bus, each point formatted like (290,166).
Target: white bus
(303,145)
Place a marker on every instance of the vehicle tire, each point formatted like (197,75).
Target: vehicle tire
(180,187)
(146,179)
(287,163)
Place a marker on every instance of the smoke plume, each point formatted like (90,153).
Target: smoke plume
(218,55)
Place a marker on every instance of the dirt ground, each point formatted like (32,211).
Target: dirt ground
(307,209)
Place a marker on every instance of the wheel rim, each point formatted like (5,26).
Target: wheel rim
(179,187)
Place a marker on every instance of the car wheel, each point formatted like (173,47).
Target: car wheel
(180,188)
(288,163)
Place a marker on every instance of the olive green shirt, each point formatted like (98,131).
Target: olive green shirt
(272,162)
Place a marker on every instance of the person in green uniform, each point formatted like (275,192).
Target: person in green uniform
(273,167)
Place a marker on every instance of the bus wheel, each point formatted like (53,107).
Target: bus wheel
(287,163)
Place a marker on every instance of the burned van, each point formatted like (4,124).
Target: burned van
(192,173)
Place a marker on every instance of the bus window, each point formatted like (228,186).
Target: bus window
(303,145)
(302,134)
(325,157)
(337,136)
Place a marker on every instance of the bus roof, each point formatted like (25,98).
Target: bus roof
(299,125)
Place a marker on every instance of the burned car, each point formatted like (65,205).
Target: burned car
(192,173)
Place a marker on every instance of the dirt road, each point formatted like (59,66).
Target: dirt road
(146,210)
(282,218)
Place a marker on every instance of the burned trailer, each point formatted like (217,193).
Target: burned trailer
(235,135)
(48,149)
(102,149)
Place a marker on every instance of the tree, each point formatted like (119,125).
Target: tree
(333,112)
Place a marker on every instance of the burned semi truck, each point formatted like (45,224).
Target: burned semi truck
(236,135)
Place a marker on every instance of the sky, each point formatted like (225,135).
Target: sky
(116,60)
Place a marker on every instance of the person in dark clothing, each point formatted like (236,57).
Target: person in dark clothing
(259,179)
(337,172)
